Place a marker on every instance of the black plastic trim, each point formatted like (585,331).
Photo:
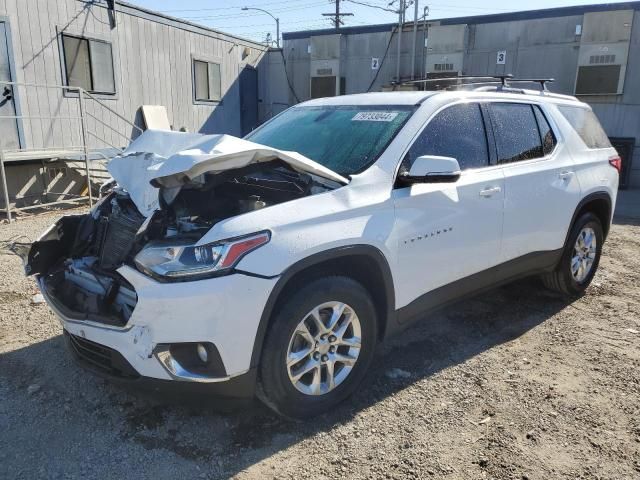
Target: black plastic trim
(589,198)
(340,252)
(527,265)
(238,387)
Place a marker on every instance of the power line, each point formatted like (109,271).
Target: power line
(375,77)
(371,6)
(234,15)
(288,2)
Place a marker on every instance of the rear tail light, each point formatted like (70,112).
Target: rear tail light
(616,162)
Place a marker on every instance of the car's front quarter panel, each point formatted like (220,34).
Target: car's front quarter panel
(359,213)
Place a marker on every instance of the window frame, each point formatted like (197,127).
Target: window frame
(550,120)
(488,130)
(207,60)
(555,135)
(63,64)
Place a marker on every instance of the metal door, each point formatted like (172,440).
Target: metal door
(624,146)
(248,99)
(8,123)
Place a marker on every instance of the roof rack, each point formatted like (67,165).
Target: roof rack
(502,81)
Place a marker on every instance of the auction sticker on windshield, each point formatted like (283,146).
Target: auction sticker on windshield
(374,116)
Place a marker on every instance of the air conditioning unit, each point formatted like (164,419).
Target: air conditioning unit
(325,66)
(445,50)
(604,49)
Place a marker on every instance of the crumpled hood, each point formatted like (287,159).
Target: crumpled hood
(171,159)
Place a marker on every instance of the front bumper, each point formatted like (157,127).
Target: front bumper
(224,311)
(110,365)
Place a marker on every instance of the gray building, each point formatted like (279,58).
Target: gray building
(74,75)
(591,51)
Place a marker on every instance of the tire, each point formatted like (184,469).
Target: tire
(293,333)
(562,279)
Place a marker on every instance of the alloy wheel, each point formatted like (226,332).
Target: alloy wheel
(324,348)
(584,254)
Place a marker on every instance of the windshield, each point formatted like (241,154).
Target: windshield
(345,139)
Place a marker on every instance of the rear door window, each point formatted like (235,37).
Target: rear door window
(458,132)
(546,132)
(586,124)
(516,132)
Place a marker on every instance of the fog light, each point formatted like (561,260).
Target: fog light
(202,353)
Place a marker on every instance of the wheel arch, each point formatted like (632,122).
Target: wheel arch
(598,203)
(363,263)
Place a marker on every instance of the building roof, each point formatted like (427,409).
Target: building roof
(474,20)
(175,22)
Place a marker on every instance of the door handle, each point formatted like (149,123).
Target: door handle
(488,192)
(565,175)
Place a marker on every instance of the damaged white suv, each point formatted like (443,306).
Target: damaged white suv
(244,266)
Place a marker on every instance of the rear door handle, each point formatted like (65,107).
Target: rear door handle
(489,191)
(565,175)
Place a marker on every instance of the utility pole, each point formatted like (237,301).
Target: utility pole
(425,49)
(337,16)
(400,24)
(415,37)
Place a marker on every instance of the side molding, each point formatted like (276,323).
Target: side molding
(521,267)
(360,250)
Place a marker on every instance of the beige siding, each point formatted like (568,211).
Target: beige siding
(152,65)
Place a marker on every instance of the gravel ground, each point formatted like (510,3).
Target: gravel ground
(515,384)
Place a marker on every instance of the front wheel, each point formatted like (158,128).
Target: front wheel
(580,258)
(318,347)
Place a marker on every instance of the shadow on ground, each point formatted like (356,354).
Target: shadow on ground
(233,441)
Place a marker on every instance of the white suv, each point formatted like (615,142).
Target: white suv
(262,271)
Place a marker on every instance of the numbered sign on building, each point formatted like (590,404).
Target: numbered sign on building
(375,63)
(501,58)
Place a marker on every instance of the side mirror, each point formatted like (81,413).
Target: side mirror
(432,169)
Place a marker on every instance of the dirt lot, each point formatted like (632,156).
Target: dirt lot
(516,384)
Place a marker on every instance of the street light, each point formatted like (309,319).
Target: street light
(276,19)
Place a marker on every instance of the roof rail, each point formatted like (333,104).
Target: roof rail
(502,81)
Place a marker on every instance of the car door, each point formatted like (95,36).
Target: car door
(448,231)
(541,188)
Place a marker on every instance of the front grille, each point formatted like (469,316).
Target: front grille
(99,357)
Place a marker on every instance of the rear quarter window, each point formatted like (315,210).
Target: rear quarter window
(586,125)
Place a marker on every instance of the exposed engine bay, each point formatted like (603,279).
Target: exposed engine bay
(77,259)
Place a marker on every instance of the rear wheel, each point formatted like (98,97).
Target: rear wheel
(580,257)
(318,348)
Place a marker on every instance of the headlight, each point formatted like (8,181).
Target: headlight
(188,262)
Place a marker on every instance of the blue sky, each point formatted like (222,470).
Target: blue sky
(307,14)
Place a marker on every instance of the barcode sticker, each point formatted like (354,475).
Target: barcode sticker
(374,116)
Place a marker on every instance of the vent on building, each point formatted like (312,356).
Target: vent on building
(324,71)
(601,59)
(598,80)
(443,67)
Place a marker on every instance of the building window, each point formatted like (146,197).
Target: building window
(206,81)
(88,64)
